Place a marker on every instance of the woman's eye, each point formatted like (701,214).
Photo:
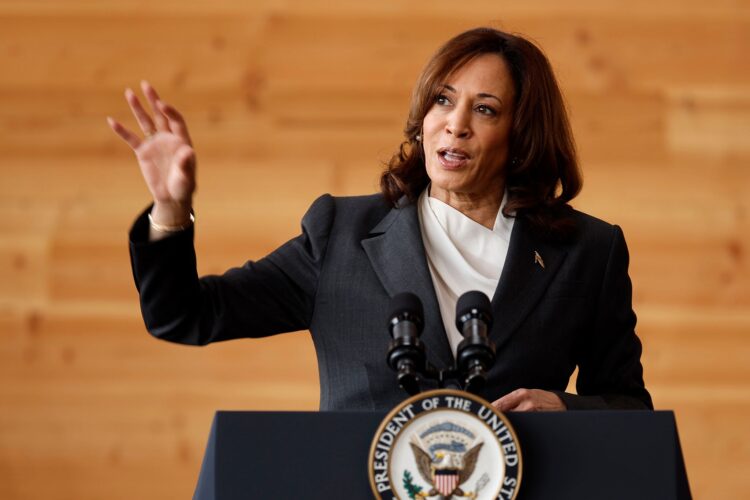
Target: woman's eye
(442,100)
(486,110)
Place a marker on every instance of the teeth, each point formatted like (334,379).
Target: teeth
(453,156)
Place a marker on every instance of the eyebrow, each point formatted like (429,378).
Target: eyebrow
(483,95)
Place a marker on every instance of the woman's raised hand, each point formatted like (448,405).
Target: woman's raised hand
(165,155)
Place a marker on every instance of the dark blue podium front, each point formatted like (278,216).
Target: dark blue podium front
(310,455)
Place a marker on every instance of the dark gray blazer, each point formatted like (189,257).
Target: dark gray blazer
(355,253)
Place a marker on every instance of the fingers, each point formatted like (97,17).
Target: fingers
(526,405)
(162,123)
(529,400)
(132,139)
(176,121)
(511,400)
(165,117)
(141,116)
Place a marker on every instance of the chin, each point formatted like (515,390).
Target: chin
(448,180)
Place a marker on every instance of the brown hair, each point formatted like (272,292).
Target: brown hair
(542,173)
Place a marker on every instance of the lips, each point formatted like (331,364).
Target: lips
(452,158)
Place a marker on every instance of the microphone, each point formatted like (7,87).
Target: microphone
(476,352)
(406,353)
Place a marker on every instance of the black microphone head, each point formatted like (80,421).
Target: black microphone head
(406,302)
(473,304)
(406,306)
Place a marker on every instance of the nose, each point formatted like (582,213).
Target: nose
(458,123)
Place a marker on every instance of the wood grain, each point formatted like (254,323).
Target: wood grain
(291,99)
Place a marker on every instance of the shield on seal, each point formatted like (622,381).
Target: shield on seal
(446,481)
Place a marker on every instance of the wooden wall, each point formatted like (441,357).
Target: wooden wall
(291,99)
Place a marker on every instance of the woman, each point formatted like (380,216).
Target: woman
(476,198)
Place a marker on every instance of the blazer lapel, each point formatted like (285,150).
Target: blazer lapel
(529,267)
(397,255)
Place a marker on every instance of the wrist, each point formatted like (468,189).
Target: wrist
(171,215)
(161,228)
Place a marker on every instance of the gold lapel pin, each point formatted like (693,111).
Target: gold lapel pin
(538,259)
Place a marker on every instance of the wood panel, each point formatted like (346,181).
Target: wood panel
(291,99)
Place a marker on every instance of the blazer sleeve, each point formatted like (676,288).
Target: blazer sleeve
(272,295)
(610,374)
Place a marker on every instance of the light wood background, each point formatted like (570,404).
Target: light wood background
(291,99)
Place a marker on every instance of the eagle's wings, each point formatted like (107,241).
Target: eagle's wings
(423,462)
(470,462)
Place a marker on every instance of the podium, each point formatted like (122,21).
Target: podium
(324,455)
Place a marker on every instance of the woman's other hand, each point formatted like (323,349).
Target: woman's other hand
(529,400)
(165,155)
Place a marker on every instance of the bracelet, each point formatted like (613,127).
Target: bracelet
(170,229)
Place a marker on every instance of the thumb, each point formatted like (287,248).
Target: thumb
(185,160)
(183,171)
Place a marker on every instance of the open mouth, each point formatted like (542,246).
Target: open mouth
(452,157)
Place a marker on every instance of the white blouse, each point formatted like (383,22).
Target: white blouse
(462,255)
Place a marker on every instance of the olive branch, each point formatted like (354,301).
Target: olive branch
(411,488)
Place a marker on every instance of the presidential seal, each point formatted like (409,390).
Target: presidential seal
(445,444)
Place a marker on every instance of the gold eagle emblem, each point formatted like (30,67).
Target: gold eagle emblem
(446,471)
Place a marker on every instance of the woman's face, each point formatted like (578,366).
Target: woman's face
(465,133)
